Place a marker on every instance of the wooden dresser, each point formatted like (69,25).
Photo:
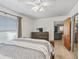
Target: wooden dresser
(40,35)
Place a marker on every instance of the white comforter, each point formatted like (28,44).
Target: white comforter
(37,41)
(23,50)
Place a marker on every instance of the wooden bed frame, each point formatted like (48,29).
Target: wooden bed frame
(53,44)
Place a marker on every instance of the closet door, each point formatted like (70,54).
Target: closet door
(67,36)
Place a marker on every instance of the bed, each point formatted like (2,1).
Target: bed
(25,48)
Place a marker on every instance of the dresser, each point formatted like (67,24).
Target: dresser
(40,35)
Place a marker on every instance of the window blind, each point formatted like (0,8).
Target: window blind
(8,24)
(8,28)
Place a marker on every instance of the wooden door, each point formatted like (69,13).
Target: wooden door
(67,36)
(76,29)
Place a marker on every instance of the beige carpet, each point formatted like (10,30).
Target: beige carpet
(61,52)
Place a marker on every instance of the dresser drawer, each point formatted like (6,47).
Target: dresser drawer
(40,35)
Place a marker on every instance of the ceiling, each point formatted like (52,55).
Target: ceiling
(58,8)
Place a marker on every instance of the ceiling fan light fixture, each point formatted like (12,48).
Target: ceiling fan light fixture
(38,5)
(38,9)
(37,1)
(41,9)
(35,9)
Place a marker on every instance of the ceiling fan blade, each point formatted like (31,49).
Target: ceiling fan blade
(35,8)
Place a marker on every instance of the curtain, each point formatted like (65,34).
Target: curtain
(19,27)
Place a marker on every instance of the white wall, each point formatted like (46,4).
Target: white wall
(26,27)
(47,24)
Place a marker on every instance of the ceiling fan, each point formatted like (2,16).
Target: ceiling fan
(38,5)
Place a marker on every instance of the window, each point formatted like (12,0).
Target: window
(8,28)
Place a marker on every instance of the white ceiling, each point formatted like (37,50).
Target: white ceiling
(59,8)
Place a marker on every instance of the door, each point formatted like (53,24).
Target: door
(67,36)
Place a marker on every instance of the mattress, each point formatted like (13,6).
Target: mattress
(21,50)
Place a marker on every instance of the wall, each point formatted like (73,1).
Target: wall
(26,21)
(47,24)
(26,26)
